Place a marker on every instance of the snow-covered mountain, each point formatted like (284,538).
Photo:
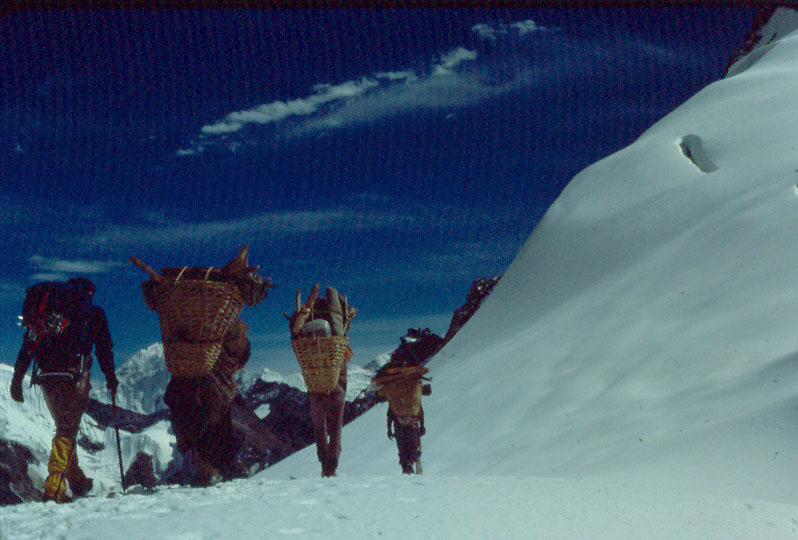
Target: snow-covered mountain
(631,376)
(30,425)
(142,382)
(143,379)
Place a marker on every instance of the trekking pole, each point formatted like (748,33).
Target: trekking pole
(118,444)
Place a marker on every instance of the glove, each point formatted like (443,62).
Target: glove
(111,383)
(16,389)
(390,435)
(421,431)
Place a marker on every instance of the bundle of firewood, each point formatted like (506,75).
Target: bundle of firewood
(197,306)
(318,337)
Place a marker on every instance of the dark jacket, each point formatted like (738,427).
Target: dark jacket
(66,352)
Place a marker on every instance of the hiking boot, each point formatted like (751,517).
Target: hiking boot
(62,498)
(205,474)
(81,488)
(328,466)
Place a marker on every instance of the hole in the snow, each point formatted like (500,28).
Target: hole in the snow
(693,149)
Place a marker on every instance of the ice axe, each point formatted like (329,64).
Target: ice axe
(118,444)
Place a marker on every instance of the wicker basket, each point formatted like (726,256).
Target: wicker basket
(404,396)
(390,374)
(196,311)
(194,316)
(321,359)
(191,359)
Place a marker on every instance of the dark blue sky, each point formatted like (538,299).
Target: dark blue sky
(396,155)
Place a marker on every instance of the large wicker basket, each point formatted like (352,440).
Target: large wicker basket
(191,359)
(402,387)
(321,359)
(404,396)
(194,316)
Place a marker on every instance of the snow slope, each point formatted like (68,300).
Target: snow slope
(401,508)
(633,374)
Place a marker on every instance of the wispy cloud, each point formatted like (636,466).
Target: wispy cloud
(431,93)
(451,60)
(453,79)
(64,266)
(494,31)
(270,223)
(53,269)
(280,110)
(446,82)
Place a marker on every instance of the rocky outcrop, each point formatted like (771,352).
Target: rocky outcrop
(480,289)
(15,485)
(772,22)
(129,421)
(754,35)
(416,347)
(288,423)
(141,472)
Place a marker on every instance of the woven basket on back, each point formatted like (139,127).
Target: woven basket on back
(404,396)
(321,359)
(191,359)
(194,316)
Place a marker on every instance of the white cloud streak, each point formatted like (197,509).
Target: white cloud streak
(397,75)
(280,110)
(272,224)
(49,266)
(383,94)
(431,93)
(494,31)
(452,59)
(526,27)
(49,276)
(447,83)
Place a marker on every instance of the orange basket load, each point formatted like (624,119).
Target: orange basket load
(402,387)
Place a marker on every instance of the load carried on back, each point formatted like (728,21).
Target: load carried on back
(401,383)
(197,306)
(205,344)
(402,386)
(318,337)
(55,316)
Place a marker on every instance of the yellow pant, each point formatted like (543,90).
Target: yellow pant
(67,401)
(62,457)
